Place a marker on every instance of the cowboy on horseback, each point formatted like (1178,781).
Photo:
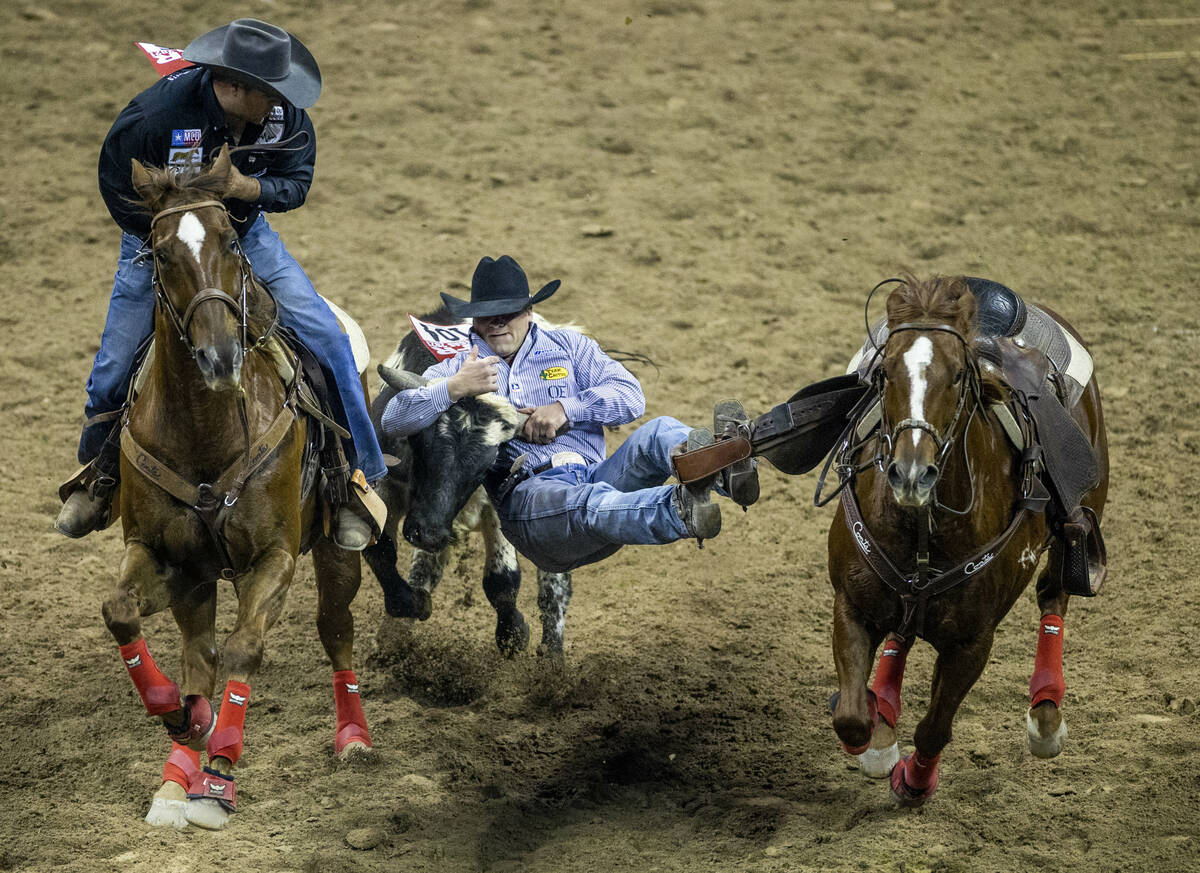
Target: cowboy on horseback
(249,87)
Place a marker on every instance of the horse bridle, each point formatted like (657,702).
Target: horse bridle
(204,295)
(969,386)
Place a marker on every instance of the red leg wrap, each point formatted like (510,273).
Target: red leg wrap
(183,766)
(226,739)
(920,772)
(1047,681)
(888,677)
(159,694)
(914,779)
(351,722)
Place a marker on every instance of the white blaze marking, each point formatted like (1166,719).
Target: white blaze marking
(918,357)
(191,233)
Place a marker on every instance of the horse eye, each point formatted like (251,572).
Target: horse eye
(959,376)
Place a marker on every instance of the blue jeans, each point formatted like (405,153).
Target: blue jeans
(131,319)
(581,513)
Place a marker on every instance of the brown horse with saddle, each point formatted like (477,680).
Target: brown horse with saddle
(968,440)
(219,479)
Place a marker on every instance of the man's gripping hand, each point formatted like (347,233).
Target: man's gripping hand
(241,186)
(544,424)
(476,376)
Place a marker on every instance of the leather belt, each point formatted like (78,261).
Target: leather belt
(520,470)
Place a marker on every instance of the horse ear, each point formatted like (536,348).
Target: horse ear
(142,183)
(221,163)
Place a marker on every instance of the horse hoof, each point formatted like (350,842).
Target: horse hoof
(512,634)
(1043,742)
(878,763)
(904,794)
(168,813)
(352,742)
(354,751)
(198,723)
(207,814)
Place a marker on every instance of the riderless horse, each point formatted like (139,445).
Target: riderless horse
(969,440)
(212,472)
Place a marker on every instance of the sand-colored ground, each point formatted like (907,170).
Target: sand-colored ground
(717,185)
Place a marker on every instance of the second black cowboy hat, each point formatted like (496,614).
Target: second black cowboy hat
(267,55)
(498,287)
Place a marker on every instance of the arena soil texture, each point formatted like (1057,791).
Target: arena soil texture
(717,185)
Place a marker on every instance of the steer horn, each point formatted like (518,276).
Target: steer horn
(401,380)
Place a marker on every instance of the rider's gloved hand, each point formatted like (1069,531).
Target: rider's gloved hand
(241,186)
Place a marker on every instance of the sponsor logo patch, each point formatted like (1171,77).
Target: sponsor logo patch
(239,699)
(135,661)
(182,158)
(185,137)
(352,688)
(1051,629)
(551,374)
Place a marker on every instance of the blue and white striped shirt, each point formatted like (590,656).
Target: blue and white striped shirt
(551,365)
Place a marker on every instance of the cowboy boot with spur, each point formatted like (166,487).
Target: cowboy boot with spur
(700,516)
(739,481)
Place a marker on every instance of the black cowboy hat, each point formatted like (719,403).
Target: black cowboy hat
(497,288)
(270,57)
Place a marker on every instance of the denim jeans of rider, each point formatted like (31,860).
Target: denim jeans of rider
(578,514)
(131,319)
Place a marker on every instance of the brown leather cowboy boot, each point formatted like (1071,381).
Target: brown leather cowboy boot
(88,495)
(360,520)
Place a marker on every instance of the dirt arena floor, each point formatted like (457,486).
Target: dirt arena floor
(717,185)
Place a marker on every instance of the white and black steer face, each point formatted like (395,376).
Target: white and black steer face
(450,459)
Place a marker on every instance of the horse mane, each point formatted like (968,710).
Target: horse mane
(939,299)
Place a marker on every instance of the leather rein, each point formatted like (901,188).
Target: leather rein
(212,501)
(915,589)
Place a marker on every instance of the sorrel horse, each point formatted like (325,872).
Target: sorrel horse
(937,535)
(211,473)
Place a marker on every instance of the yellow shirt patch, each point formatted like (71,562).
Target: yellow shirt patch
(551,374)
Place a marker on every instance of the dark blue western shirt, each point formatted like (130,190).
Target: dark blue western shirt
(177,121)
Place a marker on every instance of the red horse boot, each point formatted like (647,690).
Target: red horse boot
(1044,725)
(211,800)
(878,761)
(914,779)
(352,737)
(169,806)
(197,725)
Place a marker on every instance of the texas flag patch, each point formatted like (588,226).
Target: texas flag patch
(185,138)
